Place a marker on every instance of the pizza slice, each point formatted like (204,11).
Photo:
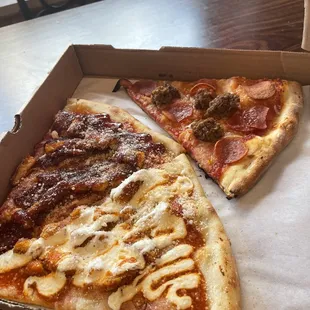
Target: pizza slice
(233,127)
(90,149)
(154,242)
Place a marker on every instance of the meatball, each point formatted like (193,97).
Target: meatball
(207,130)
(163,95)
(202,99)
(223,105)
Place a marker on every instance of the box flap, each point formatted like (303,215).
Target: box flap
(192,63)
(35,118)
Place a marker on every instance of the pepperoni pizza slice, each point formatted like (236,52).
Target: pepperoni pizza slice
(232,127)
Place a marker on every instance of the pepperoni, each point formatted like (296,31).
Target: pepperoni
(255,117)
(252,118)
(144,87)
(208,81)
(261,90)
(199,86)
(180,110)
(235,122)
(229,150)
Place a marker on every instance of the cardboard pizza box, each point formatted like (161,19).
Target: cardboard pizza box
(168,63)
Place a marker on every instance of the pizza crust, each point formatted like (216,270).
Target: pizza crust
(215,259)
(120,115)
(240,178)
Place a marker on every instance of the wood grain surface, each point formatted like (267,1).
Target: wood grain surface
(30,49)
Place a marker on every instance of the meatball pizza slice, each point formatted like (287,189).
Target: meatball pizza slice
(232,127)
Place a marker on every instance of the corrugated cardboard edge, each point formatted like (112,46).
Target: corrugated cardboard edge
(32,122)
(306,32)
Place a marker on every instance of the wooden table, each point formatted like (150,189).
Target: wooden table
(29,50)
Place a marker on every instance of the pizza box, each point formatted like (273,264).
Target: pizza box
(268,227)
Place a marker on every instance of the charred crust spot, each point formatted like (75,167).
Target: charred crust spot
(163,95)
(223,105)
(202,99)
(221,270)
(207,130)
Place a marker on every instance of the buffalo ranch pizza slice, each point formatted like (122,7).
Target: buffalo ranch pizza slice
(154,243)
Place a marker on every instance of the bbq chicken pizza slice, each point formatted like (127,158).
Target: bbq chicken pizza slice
(233,128)
(90,149)
(154,242)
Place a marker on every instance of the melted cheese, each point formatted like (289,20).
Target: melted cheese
(254,145)
(180,251)
(11,260)
(69,263)
(187,281)
(236,172)
(244,98)
(99,254)
(182,186)
(149,177)
(181,266)
(36,248)
(116,261)
(159,221)
(46,286)
(154,216)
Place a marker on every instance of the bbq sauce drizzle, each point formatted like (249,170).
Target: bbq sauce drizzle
(80,160)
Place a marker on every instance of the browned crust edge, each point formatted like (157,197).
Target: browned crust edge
(215,259)
(281,137)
